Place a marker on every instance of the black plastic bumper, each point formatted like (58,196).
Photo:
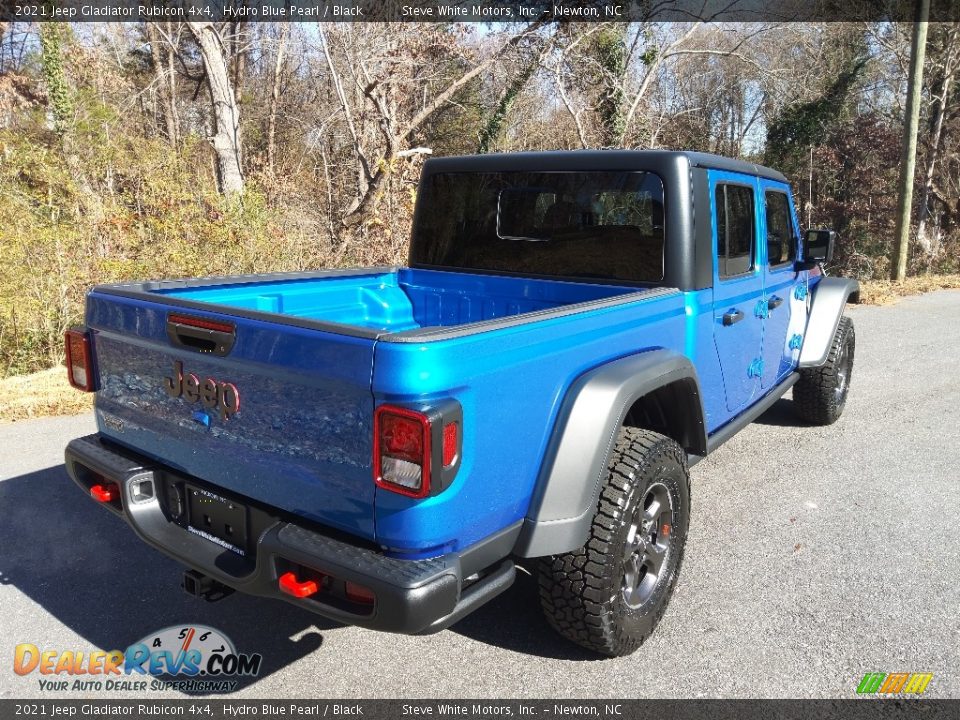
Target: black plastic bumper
(410,596)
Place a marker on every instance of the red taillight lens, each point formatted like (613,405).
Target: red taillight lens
(79,365)
(450,444)
(401,450)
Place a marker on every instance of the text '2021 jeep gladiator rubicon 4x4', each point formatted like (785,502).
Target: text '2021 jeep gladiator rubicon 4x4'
(573,332)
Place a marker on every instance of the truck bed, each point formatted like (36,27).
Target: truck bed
(389,300)
(312,354)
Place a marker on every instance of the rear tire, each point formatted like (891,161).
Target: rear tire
(821,393)
(609,595)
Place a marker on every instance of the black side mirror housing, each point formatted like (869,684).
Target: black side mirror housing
(817,248)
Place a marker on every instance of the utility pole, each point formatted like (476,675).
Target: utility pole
(908,160)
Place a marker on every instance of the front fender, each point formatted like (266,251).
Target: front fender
(568,487)
(829,298)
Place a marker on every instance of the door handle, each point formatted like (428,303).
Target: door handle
(774,302)
(732,317)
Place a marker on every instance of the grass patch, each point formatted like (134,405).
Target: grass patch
(885,292)
(40,394)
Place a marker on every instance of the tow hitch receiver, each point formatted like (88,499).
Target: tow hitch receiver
(204,587)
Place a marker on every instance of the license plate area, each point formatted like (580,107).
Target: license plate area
(217,518)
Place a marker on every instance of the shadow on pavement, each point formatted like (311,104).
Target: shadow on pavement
(782,414)
(514,621)
(89,570)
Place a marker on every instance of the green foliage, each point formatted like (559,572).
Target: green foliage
(159,215)
(61,105)
(611,53)
(494,123)
(799,127)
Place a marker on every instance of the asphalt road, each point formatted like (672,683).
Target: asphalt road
(815,555)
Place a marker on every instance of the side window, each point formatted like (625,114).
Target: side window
(735,229)
(781,241)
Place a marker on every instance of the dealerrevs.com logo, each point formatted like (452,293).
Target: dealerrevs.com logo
(197,658)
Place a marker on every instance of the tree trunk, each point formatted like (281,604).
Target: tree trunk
(163,84)
(909,158)
(239,58)
(275,97)
(927,244)
(172,50)
(226,114)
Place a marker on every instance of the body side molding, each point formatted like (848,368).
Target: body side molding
(591,415)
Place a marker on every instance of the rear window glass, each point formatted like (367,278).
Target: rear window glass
(605,225)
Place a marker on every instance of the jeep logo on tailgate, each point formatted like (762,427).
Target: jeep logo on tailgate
(212,392)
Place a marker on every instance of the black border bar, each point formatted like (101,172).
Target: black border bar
(485,11)
(612,709)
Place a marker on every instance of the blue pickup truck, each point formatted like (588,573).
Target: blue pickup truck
(383,445)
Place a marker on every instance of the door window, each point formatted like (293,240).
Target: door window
(735,229)
(781,241)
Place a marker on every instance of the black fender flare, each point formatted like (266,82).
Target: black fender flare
(829,297)
(568,487)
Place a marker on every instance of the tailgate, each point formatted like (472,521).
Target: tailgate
(284,417)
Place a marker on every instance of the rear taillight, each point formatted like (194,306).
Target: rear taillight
(416,453)
(402,450)
(79,363)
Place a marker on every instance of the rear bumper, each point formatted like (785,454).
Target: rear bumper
(410,596)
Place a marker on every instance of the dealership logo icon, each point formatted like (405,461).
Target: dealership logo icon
(879,683)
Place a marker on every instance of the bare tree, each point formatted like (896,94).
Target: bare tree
(395,130)
(275,96)
(226,114)
(947,71)
(165,82)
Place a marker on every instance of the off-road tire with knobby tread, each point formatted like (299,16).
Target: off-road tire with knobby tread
(821,392)
(583,592)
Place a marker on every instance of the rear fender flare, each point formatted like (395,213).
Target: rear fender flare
(829,297)
(593,410)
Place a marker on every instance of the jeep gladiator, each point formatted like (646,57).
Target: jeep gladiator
(382,446)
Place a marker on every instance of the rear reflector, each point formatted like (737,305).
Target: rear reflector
(359,593)
(401,450)
(298,589)
(105,493)
(450,443)
(79,364)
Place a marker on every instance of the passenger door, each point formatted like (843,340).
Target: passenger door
(738,285)
(786,301)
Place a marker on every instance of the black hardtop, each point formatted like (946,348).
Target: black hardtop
(660,161)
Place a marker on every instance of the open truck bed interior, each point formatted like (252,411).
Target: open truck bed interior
(386,300)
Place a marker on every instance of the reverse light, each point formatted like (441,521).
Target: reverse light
(401,450)
(79,362)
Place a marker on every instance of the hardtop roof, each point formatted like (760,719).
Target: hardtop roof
(585,160)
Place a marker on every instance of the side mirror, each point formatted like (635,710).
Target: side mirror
(818,246)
